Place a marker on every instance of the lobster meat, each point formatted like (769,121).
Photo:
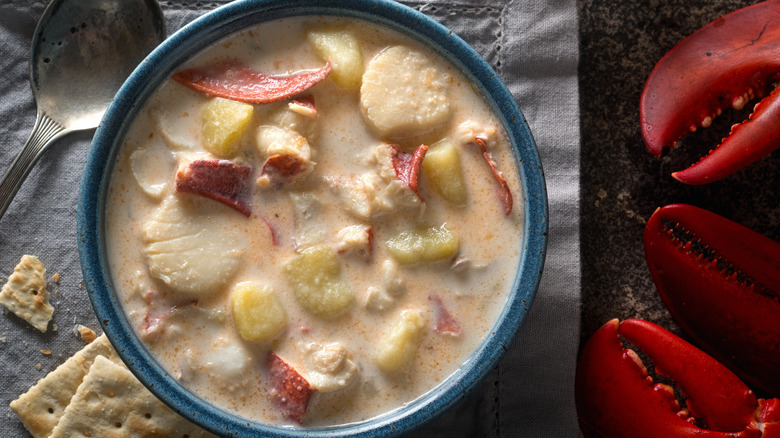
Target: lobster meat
(616,397)
(724,64)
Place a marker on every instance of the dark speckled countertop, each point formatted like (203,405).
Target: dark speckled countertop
(622,184)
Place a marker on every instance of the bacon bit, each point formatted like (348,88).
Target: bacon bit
(290,392)
(445,322)
(235,80)
(407,166)
(304,106)
(504,195)
(220,180)
(279,168)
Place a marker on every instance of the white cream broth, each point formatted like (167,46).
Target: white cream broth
(194,335)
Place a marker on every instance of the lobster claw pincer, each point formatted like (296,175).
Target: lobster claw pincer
(721,283)
(616,398)
(724,64)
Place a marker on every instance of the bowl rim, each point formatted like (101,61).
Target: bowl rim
(226,20)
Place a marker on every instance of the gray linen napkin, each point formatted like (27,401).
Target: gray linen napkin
(532,44)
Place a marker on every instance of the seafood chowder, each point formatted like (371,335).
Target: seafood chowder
(316,228)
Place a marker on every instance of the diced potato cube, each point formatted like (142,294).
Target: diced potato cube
(427,244)
(224,124)
(441,168)
(315,276)
(257,311)
(341,46)
(397,349)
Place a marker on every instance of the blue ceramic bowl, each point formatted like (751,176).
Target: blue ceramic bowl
(160,64)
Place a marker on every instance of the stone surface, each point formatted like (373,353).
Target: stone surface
(622,183)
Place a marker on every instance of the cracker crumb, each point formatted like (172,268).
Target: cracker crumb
(46,352)
(25,293)
(56,277)
(3,339)
(38,366)
(87,334)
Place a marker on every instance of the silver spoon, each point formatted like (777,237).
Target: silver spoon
(81,53)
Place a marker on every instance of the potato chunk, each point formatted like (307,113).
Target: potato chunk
(341,46)
(424,244)
(315,276)
(224,124)
(397,348)
(257,311)
(441,168)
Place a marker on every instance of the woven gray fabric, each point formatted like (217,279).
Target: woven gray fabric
(532,44)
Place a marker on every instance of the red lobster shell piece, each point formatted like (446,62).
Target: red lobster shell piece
(290,392)
(236,81)
(725,63)
(407,166)
(502,188)
(220,180)
(616,398)
(721,283)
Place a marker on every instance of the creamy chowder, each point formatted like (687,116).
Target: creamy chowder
(322,257)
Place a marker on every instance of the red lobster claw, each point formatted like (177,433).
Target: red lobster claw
(725,63)
(616,398)
(721,283)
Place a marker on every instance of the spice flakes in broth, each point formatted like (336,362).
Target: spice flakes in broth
(289,261)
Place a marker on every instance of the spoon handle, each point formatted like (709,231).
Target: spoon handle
(45,131)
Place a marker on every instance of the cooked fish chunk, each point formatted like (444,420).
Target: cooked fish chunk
(470,130)
(378,191)
(299,115)
(310,230)
(288,155)
(357,240)
(329,367)
(380,299)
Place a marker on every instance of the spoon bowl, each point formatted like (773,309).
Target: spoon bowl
(82,51)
